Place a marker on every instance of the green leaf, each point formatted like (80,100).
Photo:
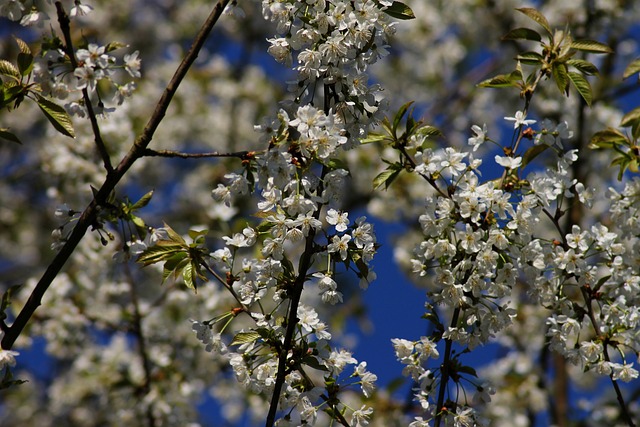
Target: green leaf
(635,130)
(530,58)
(522,34)
(24,47)
(468,370)
(590,46)
(9,136)
(335,164)
(144,201)
(140,225)
(189,276)
(16,92)
(8,69)
(25,63)
(632,68)
(175,237)
(630,118)
(532,153)
(57,116)
(399,10)
(585,67)
(245,338)
(113,46)
(503,80)
(175,265)
(428,131)
(623,161)
(313,362)
(161,251)
(374,137)
(386,177)
(582,85)
(198,236)
(560,75)
(536,16)
(608,138)
(398,117)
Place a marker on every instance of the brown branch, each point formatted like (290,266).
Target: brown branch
(445,369)
(63,19)
(292,320)
(148,152)
(89,215)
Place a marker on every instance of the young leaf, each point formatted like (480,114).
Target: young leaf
(536,16)
(468,370)
(399,115)
(532,153)
(162,251)
(582,85)
(245,338)
(623,161)
(585,67)
(630,118)
(560,75)
(197,234)
(632,68)
(314,363)
(522,34)
(8,69)
(188,274)
(373,137)
(608,138)
(24,47)
(590,46)
(386,177)
(399,10)
(57,116)
(25,63)
(144,201)
(9,136)
(502,80)
(530,58)
(113,46)
(428,131)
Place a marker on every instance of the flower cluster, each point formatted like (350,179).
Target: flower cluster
(95,64)
(527,253)
(481,238)
(300,189)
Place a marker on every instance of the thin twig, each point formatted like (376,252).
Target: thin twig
(89,215)
(63,19)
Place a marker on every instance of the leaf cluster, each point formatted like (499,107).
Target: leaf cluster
(557,60)
(180,258)
(16,86)
(625,145)
(413,130)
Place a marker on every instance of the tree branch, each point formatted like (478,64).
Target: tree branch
(89,215)
(148,152)
(63,19)
(445,368)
